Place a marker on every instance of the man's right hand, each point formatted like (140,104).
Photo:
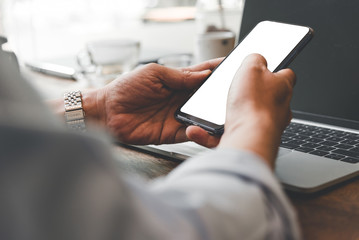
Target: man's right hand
(258,108)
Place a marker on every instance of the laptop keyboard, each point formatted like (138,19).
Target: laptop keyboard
(332,144)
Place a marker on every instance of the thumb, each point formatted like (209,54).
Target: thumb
(254,59)
(288,75)
(201,137)
(183,79)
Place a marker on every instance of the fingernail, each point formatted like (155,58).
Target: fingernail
(207,71)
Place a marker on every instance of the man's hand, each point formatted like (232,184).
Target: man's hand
(258,108)
(139,107)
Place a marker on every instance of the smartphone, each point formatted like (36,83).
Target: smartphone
(277,42)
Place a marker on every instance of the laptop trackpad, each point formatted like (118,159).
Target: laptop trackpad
(305,172)
(283,151)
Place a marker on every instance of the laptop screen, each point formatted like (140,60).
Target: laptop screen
(327,69)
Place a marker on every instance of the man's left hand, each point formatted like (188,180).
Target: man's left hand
(139,107)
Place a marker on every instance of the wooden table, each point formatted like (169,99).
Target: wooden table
(330,214)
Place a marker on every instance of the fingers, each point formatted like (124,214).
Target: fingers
(183,79)
(201,137)
(191,77)
(210,64)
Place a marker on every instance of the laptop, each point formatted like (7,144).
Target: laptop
(320,147)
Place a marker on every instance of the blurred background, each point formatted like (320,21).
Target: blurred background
(56,31)
(44,29)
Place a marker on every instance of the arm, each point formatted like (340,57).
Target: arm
(89,103)
(61,186)
(232,190)
(224,194)
(228,193)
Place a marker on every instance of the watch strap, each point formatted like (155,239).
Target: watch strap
(74,113)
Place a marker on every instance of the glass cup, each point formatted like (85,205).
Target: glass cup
(176,60)
(213,45)
(102,61)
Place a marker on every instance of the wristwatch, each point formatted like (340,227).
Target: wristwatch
(74,113)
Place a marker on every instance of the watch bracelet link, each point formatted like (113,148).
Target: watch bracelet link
(74,113)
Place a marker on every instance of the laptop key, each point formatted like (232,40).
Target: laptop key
(335,156)
(347,153)
(343,146)
(335,139)
(324,131)
(338,134)
(321,136)
(304,149)
(299,128)
(288,134)
(288,145)
(326,148)
(352,136)
(293,124)
(318,153)
(290,130)
(297,142)
(356,149)
(311,128)
(299,137)
(306,133)
(350,160)
(311,145)
(328,143)
(314,140)
(284,139)
(350,142)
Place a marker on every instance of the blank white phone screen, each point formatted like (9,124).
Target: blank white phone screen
(274,41)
